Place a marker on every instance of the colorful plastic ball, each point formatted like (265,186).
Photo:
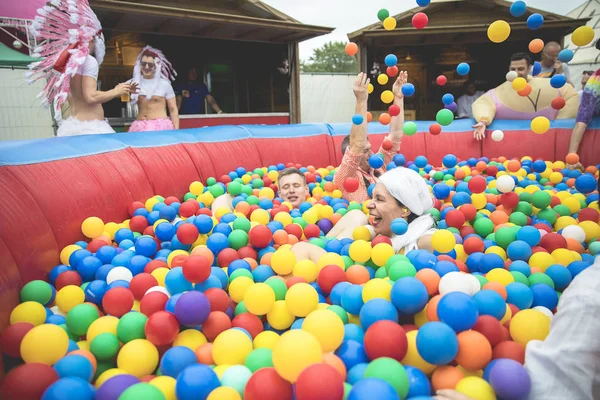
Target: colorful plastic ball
(586,183)
(327,327)
(408,89)
(583,35)
(357,119)
(389,23)
(463,69)
(371,388)
(458,310)
(443,241)
(295,350)
(491,303)
(510,379)
(231,347)
(390,371)
(385,339)
(441,80)
(475,387)
(498,31)
(74,366)
(529,325)
(423,3)
(435,129)
(70,388)
(267,384)
(409,128)
(38,291)
(391,60)
(113,387)
(497,135)
(192,308)
(196,382)
(558,81)
(162,327)
(437,343)
(18,382)
(444,117)
(351,49)
(44,344)
(544,295)
(175,360)
(92,227)
(320,382)
(11,337)
(376,161)
(409,295)
(418,383)
(301,299)
(420,20)
(377,310)
(448,99)
(535,21)
(30,311)
(518,8)
(138,357)
(104,346)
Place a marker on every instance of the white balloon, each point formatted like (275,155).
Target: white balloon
(511,76)
(544,311)
(574,232)
(455,282)
(497,135)
(161,289)
(475,284)
(119,274)
(505,184)
(17,44)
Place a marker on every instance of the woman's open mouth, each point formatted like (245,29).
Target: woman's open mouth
(375,220)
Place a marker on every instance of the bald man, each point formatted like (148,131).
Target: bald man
(551,65)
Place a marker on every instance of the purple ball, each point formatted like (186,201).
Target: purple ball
(452,107)
(325,225)
(113,387)
(510,379)
(192,308)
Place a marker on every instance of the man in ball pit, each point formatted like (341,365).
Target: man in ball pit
(356,148)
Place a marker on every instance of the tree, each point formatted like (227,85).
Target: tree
(331,57)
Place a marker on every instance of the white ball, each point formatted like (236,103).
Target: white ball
(55,310)
(161,289)
(456,282)
(544,311)
(511,76)
(505,183)
(574,232)
(497,135)
(118,274)
(17,44)
(475,284)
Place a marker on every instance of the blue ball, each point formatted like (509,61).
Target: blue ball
(204,223)
(337,292)
(170,305)
(217,242)
(377,310)
(408,89)
(409,295)
(461,198)
(238,264)
(75,366)
(169,213)
(489,262)
(399,160)
(221,275)
(391,60)
(441,191)
(448,99)
(123,234)
(560,275)
(137,264)
(418,383)
(463,69)
(488,369)
(537,68)
(56,319)
(458,310)
(164,231)
(529,234)
(424,259)
(520,266)
(87,268)
(77,256)
(357,373)
(262,272)
(372,388)
(535,21)
(196,382)
(491,303)
(106,254)
(558,81)
(443,267)
(586,183)
(56,271)
(544,295)
(145,246)
(421,161)
(357,119)
(70,388)
(352,300)
(423,3)
(354,332)
(449,161)
(376,161)
(351,353)
(519,294)
(577,267)
(437,343)
(176,359)
(519,250)
(565,55)
(175,282)
(518,8)
(399,226)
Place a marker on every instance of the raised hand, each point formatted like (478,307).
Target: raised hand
(400,81)
(361,87)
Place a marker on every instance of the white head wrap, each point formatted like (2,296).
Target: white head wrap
(163,70)
(409,188)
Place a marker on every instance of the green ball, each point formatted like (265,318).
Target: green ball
(259,171)
(38,291)
(524,207)
(247,189)
(594,248)
(409,128)
(547,214)
(491,236)
(390,371)
(543,181)
(541,199)
(520,277)
(142,390)
(211,181)
(563,211)
(80,317)
(240,308)
(383,14)
(453,230)
(242,223)
(438,176)
(237,239)
(540,277)
(401,269)
(354,206)
(257,183)
(189,195)
(518,218)
(504,237)
(483,226)
(435,213)
(160,198)
(348,262)
(236,377)
(444,117)
(525,196)
(347,389)
(240,272)
(342,211)
(71,335)
(317,242)
(340,312)
(239,180)
(482,280)
(105,346)
(252,200)
(259,358)
(278,286)
(131,326)
(234,188)
(381,273)
(300,221)
(394,259)
(216,190)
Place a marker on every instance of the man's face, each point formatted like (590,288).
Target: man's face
(471,89)
(520,67)
(192,75)
(367,152)
(584,79)
(550,55)
(293,189)
(92,47)
(148,67)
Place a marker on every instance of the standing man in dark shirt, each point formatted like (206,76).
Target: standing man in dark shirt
(191,95)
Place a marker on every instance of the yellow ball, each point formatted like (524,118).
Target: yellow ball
(519,84)
(421,317)
(540,125)
(389,23)
(563,222)
(166,385)
(413,358)
(283,262)
(478,200)
(259,299)
(301,299)
(360,251)
(44,344)
(376,289)
(138,357)
(443,241)
(106,375)
(330,259)
(231,347)
(370,88)
(555,177)
(563,256)
(500,275)
(476,388)
(507,315)
(92,227)
(311,216)
(280,316)
(296,350)
(460,253)
(66,252)
(68,297)
(106,324)
(381,253)
(496,250)
(224,393)
(327,327)
(111,228)
(541,261)
(266,340)
(190,338)
(325,212)
(499,31)
(196,188)
(361,233)
(150,203)
(478,373)
(220,370)
(238,288)
(387,96)
(260,216)
(591,229)
(207,198)
(266,192)
(83,345)
(382,79)
(583,36)
(29,311)
(337,194)
(528,325)
(160,274)
(306,269)
(219,212)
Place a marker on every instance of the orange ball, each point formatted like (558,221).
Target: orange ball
(335,218)
(499,217)
(513,165)
(574,245)
(446,377)
(251,261)
(526,91)
(432,308)
(204,354)
(459,174)
(351,49)
(430,279)
(280,237)
(474,350)
(481,166)
(358,275)
(335,362)
(292,239)
(572,158)
(369,117)
(536,45)
(385,119)
(496,287)
(266,259)
(243,207)
(329,186)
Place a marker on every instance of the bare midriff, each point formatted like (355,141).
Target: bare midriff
(155,108)
(80,109)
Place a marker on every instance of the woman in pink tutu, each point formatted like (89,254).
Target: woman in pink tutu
(154,73)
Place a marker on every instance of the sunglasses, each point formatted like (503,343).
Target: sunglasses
(148,65)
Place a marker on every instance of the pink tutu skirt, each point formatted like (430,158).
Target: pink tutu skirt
(161,124)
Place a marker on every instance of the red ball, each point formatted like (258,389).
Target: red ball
(386,339)
(260,236)
(149,231)
(330,276)
(441,80)
(155,264)
(469,211)
(420,20)
(11,337)
(187,233)
(455,219)
(392,71)
(249,322)
(226,256)
(204,211)
(138,223)
(489,327)
(140,284)
(67,278)
(509,200)
(266,384)
(153,302)
(134,206)
(196,269)
(553,241)
(473,245)
(351,185)
(225,179)
(295,279)
(435,129)
(320,382)
(491,170)
(310,177)
(588,214)
(94,245)
(543,227)
(393,110)
(381,239)
(170,200)
(312,231)
(410,327)
(27,382)
(248,252)
(117,301)
(161,328)
(187,209)
(216,323)
(178,260)
(477,184)
(509,349)
(466,230)
(558,103)
(218,299)
(294,229)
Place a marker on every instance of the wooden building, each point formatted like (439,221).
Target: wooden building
(456,32)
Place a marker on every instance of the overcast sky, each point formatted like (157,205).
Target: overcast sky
(351,15)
